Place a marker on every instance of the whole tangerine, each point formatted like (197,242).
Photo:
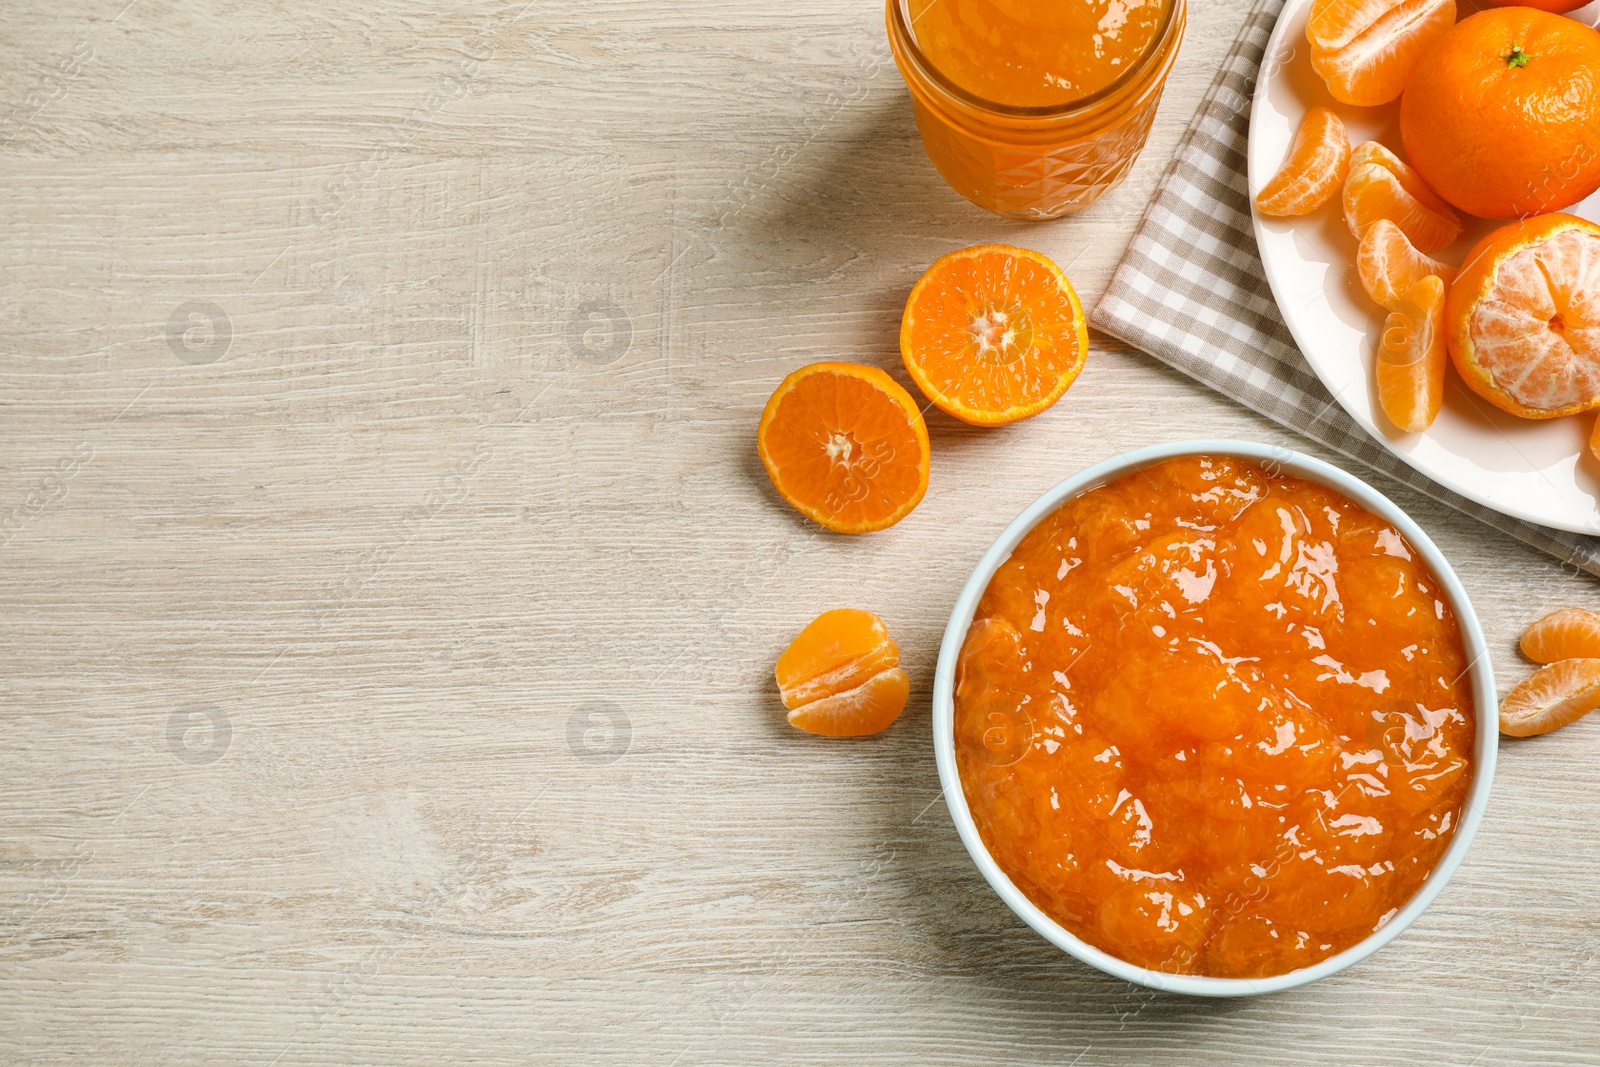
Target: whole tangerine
(1555,7)
(1500,116)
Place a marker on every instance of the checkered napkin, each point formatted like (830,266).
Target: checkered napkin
(1191,292)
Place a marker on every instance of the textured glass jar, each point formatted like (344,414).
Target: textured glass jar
(1035,162)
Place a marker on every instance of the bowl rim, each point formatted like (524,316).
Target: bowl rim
(1485,746)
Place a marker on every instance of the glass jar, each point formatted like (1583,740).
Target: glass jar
(1035,162)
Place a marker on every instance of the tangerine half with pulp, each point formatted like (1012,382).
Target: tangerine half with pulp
(1523,317)
(846,446)
(993,334)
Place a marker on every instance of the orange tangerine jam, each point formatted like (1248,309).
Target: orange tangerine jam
(1034,108)
(1215,720)
(1035,53)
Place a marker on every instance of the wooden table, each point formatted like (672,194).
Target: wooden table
(390,620)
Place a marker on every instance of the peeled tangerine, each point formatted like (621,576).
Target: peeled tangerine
(1551,698)
(1389,265)
(1570,633)
(1317,164)
(841,677)
(1366,50)
(1523,317)
(1382,186)
(1411,357)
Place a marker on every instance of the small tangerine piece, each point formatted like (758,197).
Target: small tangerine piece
(1411,180)
(1412,356)
(1318,161)
(1335,23)
(992,334)
(1374,66)
(867,709)
(1389,264)
(846,446)
(841,675)
(1551,697)
(1569,633)
(1374,192)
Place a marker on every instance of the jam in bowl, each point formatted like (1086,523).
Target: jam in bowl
(1215,717)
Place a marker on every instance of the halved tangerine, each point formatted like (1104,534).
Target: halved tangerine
(1569,633)
(845,445)
(1523,317)
(1388,264)
(1551,697)
(1373,66)
(841,676)
(1411,357)
(993,334)
(1316,166)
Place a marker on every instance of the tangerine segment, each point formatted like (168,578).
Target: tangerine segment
(1389,265)
(846,446)
(993,334)
(1570,633)
(837,650)
(1523,317)
(1374,66)
(1551,697)
(1411,357)
(1335,23)
(1501,114)
(841,675)
(1374,192)
(868,708)
(1318,161)
(1410,180)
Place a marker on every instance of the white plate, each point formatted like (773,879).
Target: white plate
(1538,470)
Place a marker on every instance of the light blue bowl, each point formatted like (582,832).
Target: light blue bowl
(1289,462)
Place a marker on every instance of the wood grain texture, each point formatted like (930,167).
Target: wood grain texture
(389,623)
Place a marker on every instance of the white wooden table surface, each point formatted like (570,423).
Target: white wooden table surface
(389,618)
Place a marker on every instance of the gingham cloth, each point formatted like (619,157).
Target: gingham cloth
(1191,291)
